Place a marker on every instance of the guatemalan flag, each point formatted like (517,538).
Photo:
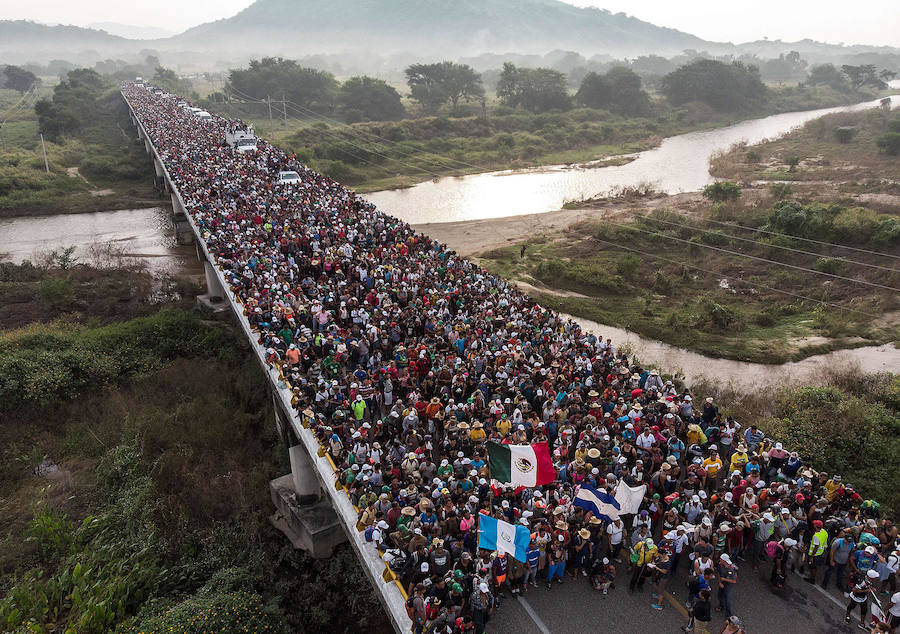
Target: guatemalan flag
(512,539)
(521,465)
(600,503)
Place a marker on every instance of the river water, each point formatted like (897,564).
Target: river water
(679,164)
(127,234)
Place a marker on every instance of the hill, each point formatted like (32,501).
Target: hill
(24,41)
(434,27)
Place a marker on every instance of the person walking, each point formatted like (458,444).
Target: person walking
(859,598)
(726,578)
(482,604)
(700,614)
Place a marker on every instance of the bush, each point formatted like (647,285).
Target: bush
(627,265)
(722,191)
(213,611)
(845,134)
(890,143)
(829,265)
(780,191)
(43,363)
(835,430)
(55,292)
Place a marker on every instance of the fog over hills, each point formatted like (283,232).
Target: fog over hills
(381,29)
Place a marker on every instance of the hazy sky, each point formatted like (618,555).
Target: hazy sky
(862,21)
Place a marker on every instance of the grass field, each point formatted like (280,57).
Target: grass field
(102,167)
(380,155)
(643,273)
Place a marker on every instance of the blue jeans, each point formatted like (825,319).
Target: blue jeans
(839,569)
(725,598)
(556,570)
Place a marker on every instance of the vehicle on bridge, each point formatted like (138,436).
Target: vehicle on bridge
(242,140)
(289,177)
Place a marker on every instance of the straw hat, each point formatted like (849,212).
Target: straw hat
(463,425)
(561,525)
(596,521)
(593,452)
(584,533)
(408,510)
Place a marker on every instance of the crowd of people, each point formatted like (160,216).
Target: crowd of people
(405,359)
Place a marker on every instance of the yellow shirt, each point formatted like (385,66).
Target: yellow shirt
(738,460)
(712,466)
(477,434)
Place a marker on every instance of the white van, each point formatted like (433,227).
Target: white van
(288,178)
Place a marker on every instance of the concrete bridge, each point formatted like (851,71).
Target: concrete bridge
(312,508)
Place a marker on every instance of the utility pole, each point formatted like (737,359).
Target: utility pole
(269,101)
(284,108)
(44,148)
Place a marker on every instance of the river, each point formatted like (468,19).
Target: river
(679,164)
(127,234)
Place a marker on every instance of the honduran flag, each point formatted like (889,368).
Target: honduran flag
(512,539)
(600,503)
(521,465)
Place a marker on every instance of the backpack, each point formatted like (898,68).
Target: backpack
(773,548)
(369,531)
(411,608)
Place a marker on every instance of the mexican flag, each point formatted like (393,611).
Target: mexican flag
(522,465)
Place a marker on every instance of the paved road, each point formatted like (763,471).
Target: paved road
(576,608)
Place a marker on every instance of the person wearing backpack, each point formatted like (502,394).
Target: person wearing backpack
(642,555)
(838,556)
(700,614)
(415,608)
(779,553)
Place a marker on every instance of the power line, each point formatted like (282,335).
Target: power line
(19,104)
(370,151)
(335,135)
(764,244)
(361,134)
(776,233)
(693,266)
(753,257)
(787,235)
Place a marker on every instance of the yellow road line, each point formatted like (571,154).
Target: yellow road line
(678,605)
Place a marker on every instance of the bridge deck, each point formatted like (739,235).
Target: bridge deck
(390,592)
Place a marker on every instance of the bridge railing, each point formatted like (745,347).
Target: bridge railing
(390,592)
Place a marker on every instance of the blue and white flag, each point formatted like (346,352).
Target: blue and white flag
(630,498)
(494,534)
(600,503)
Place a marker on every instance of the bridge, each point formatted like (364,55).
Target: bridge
(316,513)
(313,508)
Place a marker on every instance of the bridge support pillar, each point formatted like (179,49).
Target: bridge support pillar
(214,299)
(147,146)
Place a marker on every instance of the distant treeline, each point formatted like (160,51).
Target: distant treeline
(725,86)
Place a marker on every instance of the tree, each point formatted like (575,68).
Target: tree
(722,191)
(168,80)
(433,85)
(595,92)
(727,87)
(368,99)
(890,143)
(619,91)
(19,79)
(74,103)
(273,77)
(864,75)
(534,89)
(790,67)
(827,74)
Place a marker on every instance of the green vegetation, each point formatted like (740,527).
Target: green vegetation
(850,428)
(95,161)
(619,91)
(433,85)
(654,275)
(533,89)
(845,149)
(728,87)
(156,445)
(368,99)
(722,191)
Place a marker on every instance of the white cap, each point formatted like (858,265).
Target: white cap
(873,574)
(790,542)
(724,557)
(483,587)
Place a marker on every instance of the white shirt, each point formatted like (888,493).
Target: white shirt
(615,533)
